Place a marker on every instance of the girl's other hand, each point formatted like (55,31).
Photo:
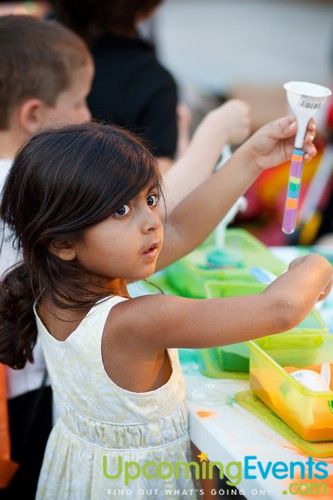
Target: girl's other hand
(233,120)
(273,144)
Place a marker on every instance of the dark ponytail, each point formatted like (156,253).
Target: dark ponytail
(18,331)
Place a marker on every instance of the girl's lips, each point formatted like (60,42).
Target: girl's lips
(152,251)
(151,254)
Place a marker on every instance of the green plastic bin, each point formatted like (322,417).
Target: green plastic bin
(189,275)
(232,361)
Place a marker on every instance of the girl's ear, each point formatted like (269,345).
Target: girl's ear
(63,249)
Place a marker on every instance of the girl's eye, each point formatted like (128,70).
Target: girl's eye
(152,199)
(123,210)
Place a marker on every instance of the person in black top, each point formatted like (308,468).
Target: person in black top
(130,87)
(133,90)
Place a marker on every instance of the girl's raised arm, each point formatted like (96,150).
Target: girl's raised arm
(197,215)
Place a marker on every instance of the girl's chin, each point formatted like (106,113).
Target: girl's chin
(146,273)
(145,276)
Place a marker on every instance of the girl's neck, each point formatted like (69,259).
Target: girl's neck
(121,286)
(101,286)
(117,286)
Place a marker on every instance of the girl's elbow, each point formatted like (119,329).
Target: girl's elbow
(290,311)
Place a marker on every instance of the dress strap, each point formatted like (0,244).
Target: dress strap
(98,314)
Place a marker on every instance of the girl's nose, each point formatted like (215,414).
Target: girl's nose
(151,219)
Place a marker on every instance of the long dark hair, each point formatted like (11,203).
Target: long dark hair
(62,182)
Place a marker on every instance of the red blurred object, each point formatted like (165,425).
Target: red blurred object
(330,116)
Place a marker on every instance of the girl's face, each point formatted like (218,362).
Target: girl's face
(126,245)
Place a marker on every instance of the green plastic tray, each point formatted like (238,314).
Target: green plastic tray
(218,362)
(188,275)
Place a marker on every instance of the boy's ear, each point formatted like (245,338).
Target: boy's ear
(63,249)
(31,115)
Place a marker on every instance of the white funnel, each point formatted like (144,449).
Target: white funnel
(305,99)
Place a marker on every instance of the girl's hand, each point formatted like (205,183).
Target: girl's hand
(233,120)
(311,259)
(273,144)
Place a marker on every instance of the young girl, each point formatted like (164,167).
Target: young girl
(84,205)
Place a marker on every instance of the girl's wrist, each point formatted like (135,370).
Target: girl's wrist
(218,126)
(248,158)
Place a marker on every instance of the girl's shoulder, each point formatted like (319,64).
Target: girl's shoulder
(143,321)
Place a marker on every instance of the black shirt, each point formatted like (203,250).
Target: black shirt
(133,90)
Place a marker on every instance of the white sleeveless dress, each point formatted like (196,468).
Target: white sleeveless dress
(101,427)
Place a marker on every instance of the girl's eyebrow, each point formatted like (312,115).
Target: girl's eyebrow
(152,186)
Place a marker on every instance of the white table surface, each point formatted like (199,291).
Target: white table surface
(229,433)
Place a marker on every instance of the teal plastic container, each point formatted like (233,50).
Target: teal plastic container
(242,251)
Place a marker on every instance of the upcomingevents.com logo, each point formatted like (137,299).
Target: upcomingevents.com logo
(302,478)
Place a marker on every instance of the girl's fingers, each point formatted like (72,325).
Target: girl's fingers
(312,125)
(309,136)
(309,152)
(309,148)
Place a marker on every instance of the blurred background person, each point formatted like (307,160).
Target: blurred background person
(131,88)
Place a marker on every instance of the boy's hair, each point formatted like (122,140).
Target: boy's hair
(61,183)
(37,59)
(93,19)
